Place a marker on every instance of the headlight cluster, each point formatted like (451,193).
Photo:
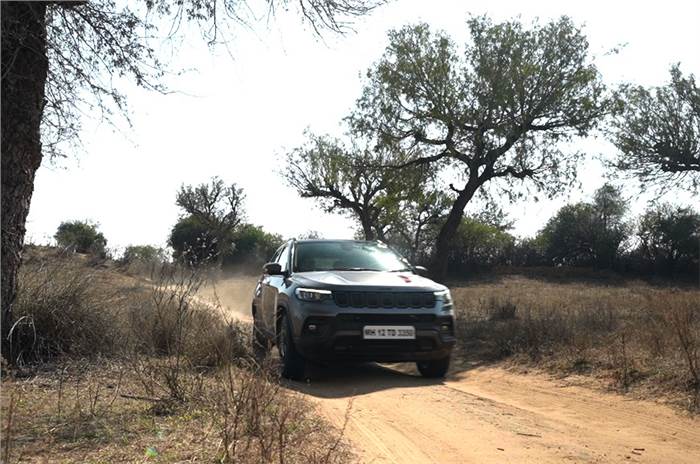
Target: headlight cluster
(313,294)
(446,297)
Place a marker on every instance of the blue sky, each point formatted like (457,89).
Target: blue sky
(238,111)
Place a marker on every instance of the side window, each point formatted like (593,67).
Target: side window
(277,254)
(284,258)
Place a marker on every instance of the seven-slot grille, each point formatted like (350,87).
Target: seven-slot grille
(384,299)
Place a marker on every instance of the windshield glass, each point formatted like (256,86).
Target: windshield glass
(347,256)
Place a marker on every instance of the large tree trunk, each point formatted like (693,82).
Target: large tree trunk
(367,229)
(438,267)
(24,69)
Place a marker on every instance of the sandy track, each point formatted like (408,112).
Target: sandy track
(489,415)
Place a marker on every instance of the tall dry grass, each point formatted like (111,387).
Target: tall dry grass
(637,334)
(110,357)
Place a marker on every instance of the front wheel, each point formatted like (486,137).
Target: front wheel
(436,368)
(293,364)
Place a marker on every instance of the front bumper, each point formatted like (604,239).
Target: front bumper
(339,337)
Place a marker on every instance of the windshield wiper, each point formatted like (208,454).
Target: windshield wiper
(354,269)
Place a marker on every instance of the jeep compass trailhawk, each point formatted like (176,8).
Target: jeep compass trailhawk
(326,300)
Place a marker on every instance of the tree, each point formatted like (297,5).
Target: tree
(344,179)
(252,246)
(217,207)
(670,238)
(497,112)
(63,59)
(415,216)
(81,237)
(390,204)
(192,242)
(143,254)
(657,133)
(478,245)
(588,233)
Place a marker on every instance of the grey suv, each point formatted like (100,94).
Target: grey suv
(329,300)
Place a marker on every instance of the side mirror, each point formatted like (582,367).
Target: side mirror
(272,269)
(421,270)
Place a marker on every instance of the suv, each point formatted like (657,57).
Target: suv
(330,300)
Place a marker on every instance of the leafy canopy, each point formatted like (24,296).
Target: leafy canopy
(670,237)
(350,178)
(81,237)
(657,133)
(588,233)
(495,109)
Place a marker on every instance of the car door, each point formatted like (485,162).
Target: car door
(271,285)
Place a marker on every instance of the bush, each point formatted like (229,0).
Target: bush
(60,311)
(478,245)
(81,237)
(192,242)
(147,254)
(669,239)
(252,247)
(65,307)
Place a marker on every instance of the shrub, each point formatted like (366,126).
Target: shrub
(148,254)
(81,237)
(59,311)
(192,242)
(669,239)
(252,247)
(478,245)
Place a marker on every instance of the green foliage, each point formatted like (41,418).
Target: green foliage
(218,208)
(588,233)
(657,133)
(81,237)
(366,183)
(143,254)
(252,246)
(416,215)
(341,179)
(531,251)
(670,237)
(192,242)
(497,108)
(478,245)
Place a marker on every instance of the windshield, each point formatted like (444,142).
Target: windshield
(347,256)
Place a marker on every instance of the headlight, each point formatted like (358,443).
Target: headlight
(312,294)
(445,296)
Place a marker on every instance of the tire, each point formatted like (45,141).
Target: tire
(261,344)
(293,364)
(434,369)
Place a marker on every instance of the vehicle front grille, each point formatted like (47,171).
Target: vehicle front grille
(384,299)
(356,321)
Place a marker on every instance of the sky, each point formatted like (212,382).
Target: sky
(238,110)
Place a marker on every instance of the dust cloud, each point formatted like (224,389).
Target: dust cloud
(233,293)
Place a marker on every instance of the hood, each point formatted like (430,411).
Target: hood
(367,280)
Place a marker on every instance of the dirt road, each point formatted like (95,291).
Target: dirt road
(488,415)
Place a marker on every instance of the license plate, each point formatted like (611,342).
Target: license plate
(392,332)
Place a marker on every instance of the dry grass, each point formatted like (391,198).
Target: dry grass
(636,336)
(100,412)
(118,369)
